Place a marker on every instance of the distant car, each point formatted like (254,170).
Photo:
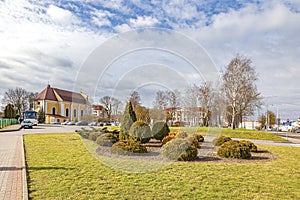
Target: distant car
(64,123)
(93,124)
(71,123)
(26,124)
(297,130)
(81,123)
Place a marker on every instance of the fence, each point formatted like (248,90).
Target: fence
(7,122)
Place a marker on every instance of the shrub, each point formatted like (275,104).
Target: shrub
(221,140)
(234,149)
(160,130)
(127,147)
(107,139)
(167,139)
(181,134)
(128,119)
(179,149)
(140,131)
(251,145)
(84,133)
(194,141)
(199,137)
(93,136)
(172,133)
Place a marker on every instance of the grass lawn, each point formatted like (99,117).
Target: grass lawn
(60,167)
(237,133)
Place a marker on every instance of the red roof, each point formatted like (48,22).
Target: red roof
(49,94)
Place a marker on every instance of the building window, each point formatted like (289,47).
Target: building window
(74,112)
(53,111)
(81,113)
(67,112)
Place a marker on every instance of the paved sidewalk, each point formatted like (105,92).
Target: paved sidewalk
(13,183)
(10,128)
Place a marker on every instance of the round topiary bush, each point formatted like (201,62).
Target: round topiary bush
(199,137)
(107,139)
(140,131)
(251,145)
(160,130)
(128,147)
(93,136)
(194,141)
(179,149)
(234,149)
(221,140)
(166,139)
(181,134)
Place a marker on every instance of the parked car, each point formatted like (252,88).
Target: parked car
(26,124)
(71,123)
(64,123)
(297,130)
(81,123)
(93,124)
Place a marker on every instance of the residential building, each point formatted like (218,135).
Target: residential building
(99,111)
(185,116)
(61,105)
(250,124)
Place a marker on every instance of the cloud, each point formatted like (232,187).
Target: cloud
(143,21)
(48,41)
(61,16)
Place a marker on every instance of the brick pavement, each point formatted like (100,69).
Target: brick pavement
(12,170)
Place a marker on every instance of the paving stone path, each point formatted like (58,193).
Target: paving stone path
(12,168)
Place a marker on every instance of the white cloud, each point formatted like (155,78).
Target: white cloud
(143,21)
(61,16)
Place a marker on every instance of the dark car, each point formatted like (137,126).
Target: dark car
(26,124)
(81,123)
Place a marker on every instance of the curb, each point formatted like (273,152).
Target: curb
(10,130)
(24,175)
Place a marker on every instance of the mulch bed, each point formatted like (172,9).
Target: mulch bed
(207,153)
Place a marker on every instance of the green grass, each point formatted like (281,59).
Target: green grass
(60,167)
(237,133)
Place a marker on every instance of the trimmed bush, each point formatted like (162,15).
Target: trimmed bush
(234,149)
(179,149)
(84,133)
(194,141)
(140,131)
(128,119)
(199,137)
(128,147)
(107,139)
(181,134)
(167,139)
(221,140)
(251,145)
(160,130)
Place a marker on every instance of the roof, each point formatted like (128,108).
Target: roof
(56,94)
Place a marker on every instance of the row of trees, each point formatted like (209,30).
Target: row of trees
(233,99)
(17,101)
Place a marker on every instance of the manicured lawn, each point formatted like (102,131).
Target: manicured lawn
(61,167)
(237,133)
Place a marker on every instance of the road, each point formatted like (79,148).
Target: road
(47,128)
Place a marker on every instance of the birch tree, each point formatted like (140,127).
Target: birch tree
(240,89)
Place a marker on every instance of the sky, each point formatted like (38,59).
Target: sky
(114,47)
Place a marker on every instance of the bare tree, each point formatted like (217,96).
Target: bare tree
(135,99)
(239,88)
(161,100)
(18,97)
(191,105)
(173,100)
(110,105)
(205,98)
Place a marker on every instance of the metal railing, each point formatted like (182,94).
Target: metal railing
(6,122)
